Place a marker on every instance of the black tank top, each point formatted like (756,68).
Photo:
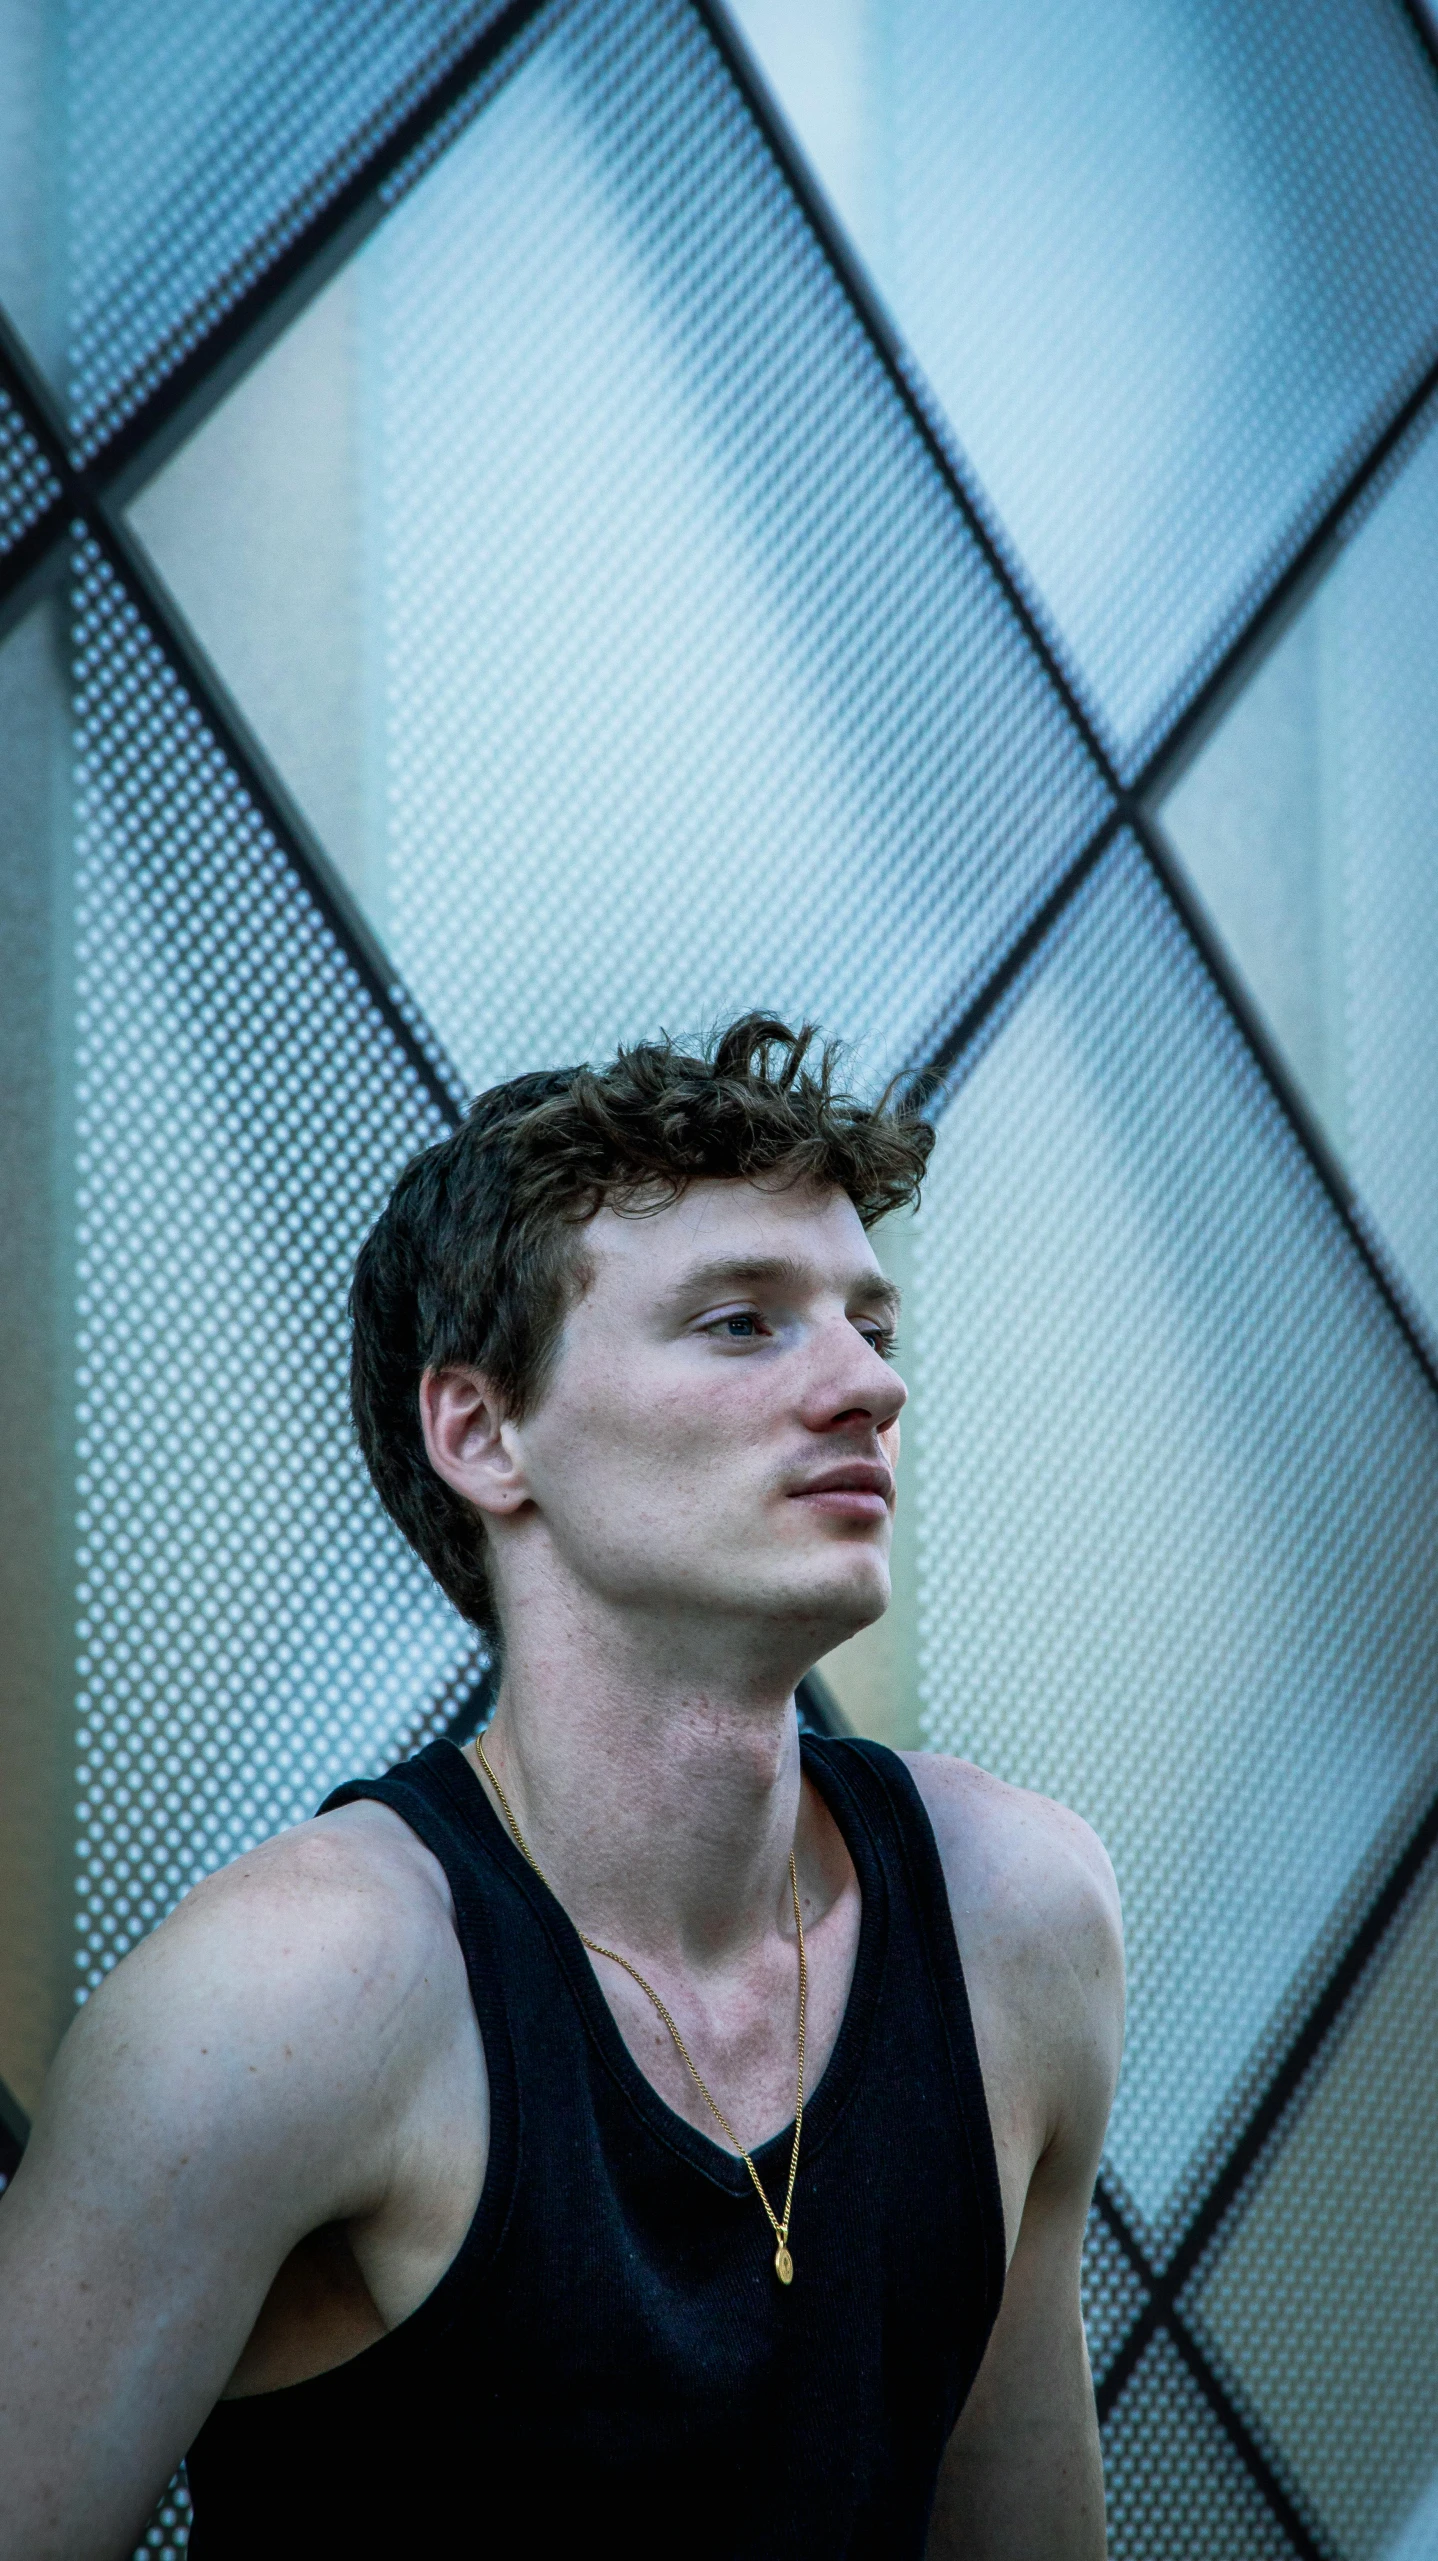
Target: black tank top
(610,2362)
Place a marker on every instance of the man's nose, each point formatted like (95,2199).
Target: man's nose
(855,1385)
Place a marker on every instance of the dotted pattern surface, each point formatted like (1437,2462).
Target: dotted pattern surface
(704,697)
(251,1629)
(1176,2490)
(200,143)
(27,484)
(1318,2305)
(1166,271)
(706,603)
(1385,613)
(1308,825)
(1176,1475)
(167,2536)
(1113,2295)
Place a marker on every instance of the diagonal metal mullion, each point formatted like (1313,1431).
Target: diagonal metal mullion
(1131,803)
(14,2134)
(1270,610)
(312,256)
(1161,2317)
(81,503)
(1304,2046)
(896,362)
(1244,2444)
(306,263)
(1132,807)
(298,270)
(1163,2285)
(1289,589)
(927,1087)
(238,335)
(1291,1101)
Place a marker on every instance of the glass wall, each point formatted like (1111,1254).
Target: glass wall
(522,524)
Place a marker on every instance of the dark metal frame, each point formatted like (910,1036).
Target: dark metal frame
(92,495)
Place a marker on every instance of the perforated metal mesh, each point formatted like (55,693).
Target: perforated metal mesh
(167,2537)
(1319,2306)
(1164,267)
(1308,824)
(27,484)
(1176,2490)
(251,1628)
(1113,2295)
(686,687)
(1176,1479)
(696,692)
(200,142)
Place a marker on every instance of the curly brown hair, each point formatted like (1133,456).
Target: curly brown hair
(476,1258)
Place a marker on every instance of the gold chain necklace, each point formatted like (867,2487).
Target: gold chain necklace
(783,2263)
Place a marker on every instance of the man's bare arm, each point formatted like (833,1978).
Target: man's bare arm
(1038,1919)
(234,2085)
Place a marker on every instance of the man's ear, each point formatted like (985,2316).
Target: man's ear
(470,1440)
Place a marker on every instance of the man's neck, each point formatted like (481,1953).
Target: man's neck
(661,1808)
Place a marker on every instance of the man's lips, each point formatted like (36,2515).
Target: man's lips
(859,1490)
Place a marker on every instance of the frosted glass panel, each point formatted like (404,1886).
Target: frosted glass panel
(1113,2296)
(251,1628)
(1309,825)
(1176,1482)
(687,688)
(1319,2308)
(1173,2482)
(1164,267)
(197,143)
(27,484)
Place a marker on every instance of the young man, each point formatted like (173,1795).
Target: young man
(615,2134)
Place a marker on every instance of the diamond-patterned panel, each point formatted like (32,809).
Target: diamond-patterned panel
(1318,2304)
(691,689)
(27,484)
(1166,268)
(251,1628)
(200,141)
(1113,2295)
(1308,825)
(1175,2488)
(1176,1479)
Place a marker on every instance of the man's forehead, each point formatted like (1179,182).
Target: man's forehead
(716,1223)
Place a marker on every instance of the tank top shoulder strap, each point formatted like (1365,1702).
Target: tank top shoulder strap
(441,1801)
(432,1793)
(883,1793)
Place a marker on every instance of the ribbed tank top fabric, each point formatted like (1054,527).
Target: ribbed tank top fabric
(610,2360)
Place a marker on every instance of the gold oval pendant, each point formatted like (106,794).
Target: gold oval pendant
(783,2265)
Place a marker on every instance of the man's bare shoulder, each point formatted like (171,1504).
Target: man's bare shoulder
(314,1917)
(248,2075)
(353,1879)
(1014,1857)
(1037,1916)
(280,2005)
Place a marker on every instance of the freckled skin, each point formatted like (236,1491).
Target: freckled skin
(265,2136)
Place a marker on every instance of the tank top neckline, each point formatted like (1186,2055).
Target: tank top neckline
(822,2109)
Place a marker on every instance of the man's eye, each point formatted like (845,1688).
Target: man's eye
(883,1343)
(736,1329)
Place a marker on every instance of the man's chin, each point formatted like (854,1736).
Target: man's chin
(829,1616)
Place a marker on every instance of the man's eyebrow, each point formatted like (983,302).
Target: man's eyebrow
(735,1271)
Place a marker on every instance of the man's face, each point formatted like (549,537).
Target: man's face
(719,1433)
